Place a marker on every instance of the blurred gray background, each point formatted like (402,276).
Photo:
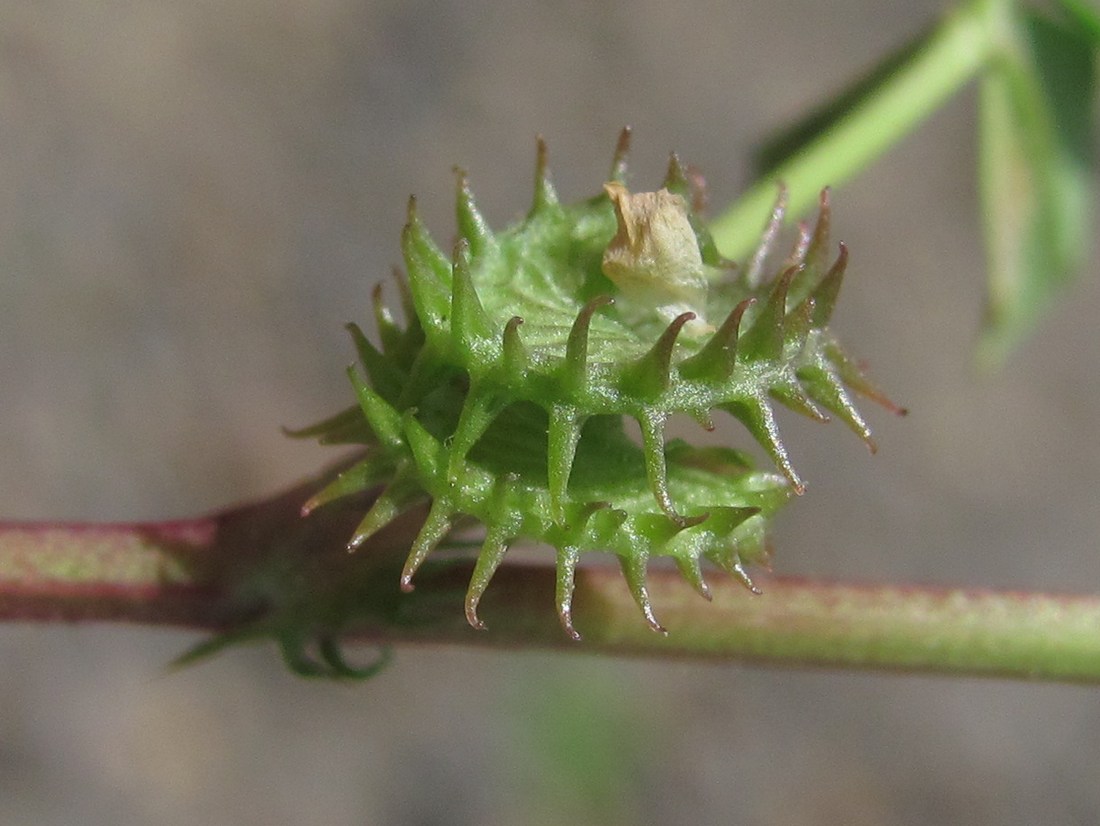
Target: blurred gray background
(195,196)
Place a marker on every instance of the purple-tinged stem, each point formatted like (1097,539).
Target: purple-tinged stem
(223,571)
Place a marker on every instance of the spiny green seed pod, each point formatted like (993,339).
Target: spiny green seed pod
(503,398)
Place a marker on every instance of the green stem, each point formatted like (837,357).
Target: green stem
(237,569)
(954,53)
(911,628)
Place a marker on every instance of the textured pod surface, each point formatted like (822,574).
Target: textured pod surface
(503,397)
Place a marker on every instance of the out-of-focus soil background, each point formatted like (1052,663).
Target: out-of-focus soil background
(195,196)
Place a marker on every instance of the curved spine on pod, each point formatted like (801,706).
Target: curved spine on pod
(503,398)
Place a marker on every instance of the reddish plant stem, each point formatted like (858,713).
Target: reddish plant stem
(203,573)
(83,572)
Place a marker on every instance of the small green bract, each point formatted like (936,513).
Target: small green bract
(503,396)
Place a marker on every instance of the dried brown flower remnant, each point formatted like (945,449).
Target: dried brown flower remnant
(654,258)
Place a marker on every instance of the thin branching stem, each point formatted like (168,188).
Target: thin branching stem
(953,55)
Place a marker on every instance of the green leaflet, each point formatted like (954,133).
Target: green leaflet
(504,397)
(1037,168)
(1085,17)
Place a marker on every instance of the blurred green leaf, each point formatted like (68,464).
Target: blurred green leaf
(1037,159)
(1085,17)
